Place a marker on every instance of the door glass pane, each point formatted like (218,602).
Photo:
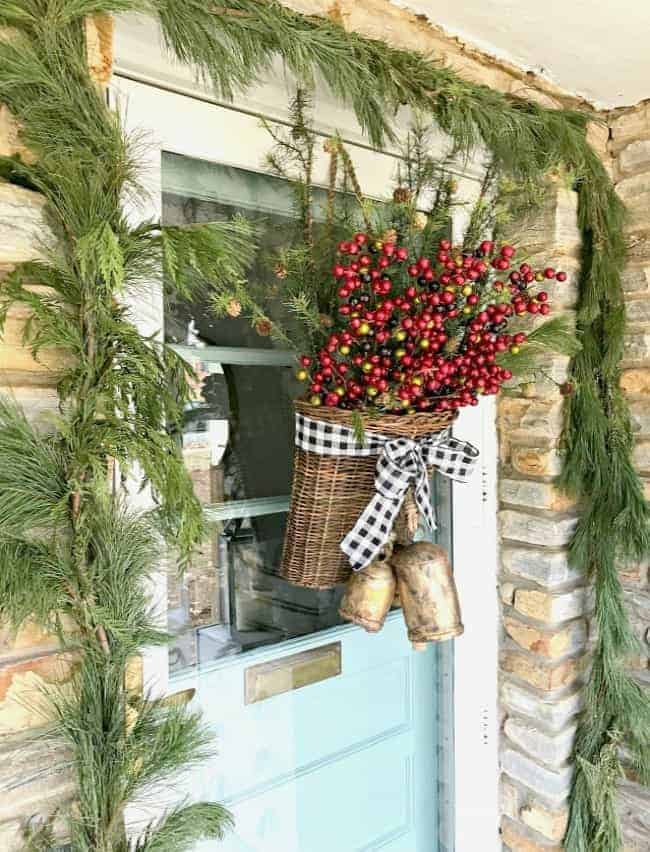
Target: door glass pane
(238,442)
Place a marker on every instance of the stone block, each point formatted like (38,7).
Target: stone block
(556,370)
(546,567)
(552,750)
(634,574)
(30,639)
(533,495)
(517,838)
(551,644)
(554,227)
(641,456)
(23,687)
(16,358)
(542,675)
(598,138)
(636,382)
(635,193)
(536,529)
(636,279)
(507,593)
(636,349)
(630,124)
(508,798)
(638,247)
(99,47)
(551,713)
(550,823)
(34,778)
(634,813)
(552,608)
(637,312)
(530,421)
(10,144)
(553,785)
(38,404)
(24,233)
(529,461)
(640,416)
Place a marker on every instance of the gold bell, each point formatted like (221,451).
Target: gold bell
(427,593)
(369,595)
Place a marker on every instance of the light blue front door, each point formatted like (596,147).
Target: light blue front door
(343,765)
(346,764)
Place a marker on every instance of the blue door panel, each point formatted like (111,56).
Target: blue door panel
(344,765)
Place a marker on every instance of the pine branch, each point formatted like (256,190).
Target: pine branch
(85,166)
(182,827)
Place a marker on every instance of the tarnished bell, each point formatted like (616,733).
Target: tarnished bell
(427,593)
(369,595)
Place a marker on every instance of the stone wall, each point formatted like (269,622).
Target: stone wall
(629,148)
(34,780)
(545,604)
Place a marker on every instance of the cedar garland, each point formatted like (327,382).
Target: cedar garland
(232,43)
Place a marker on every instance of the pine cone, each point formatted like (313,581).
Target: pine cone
(330,146)
(389,236)
(263,327)
(280,270)
(402,195)
(325,320)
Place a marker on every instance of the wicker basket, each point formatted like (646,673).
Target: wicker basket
(330,492)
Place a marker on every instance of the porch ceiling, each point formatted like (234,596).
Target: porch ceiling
(597,50)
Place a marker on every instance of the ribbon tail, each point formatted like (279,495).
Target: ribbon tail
(423,501)
(371,531)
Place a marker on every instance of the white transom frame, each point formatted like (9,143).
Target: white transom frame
(161,102)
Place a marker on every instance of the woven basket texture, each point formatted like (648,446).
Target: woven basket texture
(330,492)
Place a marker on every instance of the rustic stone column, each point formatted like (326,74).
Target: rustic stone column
(544,601)
(630,149)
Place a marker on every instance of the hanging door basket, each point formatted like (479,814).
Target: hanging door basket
(330,492)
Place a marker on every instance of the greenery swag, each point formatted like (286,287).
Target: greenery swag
(68,546)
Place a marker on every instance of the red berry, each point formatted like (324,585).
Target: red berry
(445,245)
(549,272)
(507,251)
(486,246)
(401,253)
(561,276)
(389,249)
(413,271)
(360,239)
(545,309)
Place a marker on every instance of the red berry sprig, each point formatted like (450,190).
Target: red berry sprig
(421,334)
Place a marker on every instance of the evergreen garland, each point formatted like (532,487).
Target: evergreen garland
(84,166)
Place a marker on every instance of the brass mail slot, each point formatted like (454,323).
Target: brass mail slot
(268,679)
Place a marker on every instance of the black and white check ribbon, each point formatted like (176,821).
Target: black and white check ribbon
(402,463)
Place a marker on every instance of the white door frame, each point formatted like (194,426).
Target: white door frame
(177,114)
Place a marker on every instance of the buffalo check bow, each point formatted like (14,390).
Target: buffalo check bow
(402,463)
